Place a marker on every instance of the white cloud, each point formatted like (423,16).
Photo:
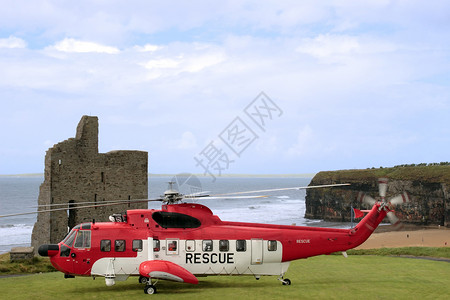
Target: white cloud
(163,63)
(12,42)
(326,64)
(330,45)
(187,59)
(186,142)
(147,48)
(72,45)
(304,142)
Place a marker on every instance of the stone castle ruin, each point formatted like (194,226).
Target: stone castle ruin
(75,172)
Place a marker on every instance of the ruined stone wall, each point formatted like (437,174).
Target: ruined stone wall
(75,172)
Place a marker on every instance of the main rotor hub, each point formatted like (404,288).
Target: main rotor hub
(172,196)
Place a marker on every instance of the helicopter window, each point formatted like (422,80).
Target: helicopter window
(83,239)
(86,226)
(224,245)
(65,251)
(69,239)
(190,245)
(137,245)
(207,246)
(272,245)
(175,220)
(241,245)
(156,246)
(119,245)
(172,246)
(105,245)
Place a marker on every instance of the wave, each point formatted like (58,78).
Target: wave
(15,234)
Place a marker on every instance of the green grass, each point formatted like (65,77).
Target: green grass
(43,265)
(438,252)
(323,277)
(37,265)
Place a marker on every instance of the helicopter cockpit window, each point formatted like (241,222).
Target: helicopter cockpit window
(64,251)
(69,239)
(83,239)
(241,245)
(86,226)
(175,220)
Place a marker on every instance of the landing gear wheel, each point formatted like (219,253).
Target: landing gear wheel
(150,289)
(143,279)
(286,282)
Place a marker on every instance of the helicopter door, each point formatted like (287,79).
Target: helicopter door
(257,251)
(81,252)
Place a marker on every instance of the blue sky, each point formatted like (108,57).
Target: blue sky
(357,85)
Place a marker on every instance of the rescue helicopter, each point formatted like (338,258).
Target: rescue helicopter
(184,240)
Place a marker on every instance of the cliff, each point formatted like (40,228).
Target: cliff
(427,186)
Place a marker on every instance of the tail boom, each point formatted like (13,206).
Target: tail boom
(304,243)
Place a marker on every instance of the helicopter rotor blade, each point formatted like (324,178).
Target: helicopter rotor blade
(76,207)
(382,187)
(90,202)
(119,202)
(364,198)
(400,199)
(286,189)
(393,218)
(228,197)
(197,195)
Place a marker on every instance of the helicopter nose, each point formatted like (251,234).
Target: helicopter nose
(48,250)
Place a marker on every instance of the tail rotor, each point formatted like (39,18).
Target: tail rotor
(387,206)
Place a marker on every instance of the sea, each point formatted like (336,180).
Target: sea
(20,194)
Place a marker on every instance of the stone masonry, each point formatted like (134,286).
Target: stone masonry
(75,172)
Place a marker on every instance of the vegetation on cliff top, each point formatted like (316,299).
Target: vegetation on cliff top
(421,172)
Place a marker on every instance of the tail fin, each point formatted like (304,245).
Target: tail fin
(367,226)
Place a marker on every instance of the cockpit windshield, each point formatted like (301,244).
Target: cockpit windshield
(70,238)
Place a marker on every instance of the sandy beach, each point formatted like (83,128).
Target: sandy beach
(410,238)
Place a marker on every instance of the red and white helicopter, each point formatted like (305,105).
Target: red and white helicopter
(182,241)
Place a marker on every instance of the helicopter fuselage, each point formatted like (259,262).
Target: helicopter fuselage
(183,241)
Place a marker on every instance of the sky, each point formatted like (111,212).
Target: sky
(228,87)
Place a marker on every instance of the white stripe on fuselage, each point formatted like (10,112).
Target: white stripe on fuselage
(190,255)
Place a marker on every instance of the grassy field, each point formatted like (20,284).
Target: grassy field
(323,277)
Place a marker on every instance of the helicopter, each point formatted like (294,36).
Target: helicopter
(184,240)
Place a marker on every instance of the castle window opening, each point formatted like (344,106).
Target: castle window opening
(72,214)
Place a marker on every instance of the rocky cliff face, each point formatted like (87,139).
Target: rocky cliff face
(428,188)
